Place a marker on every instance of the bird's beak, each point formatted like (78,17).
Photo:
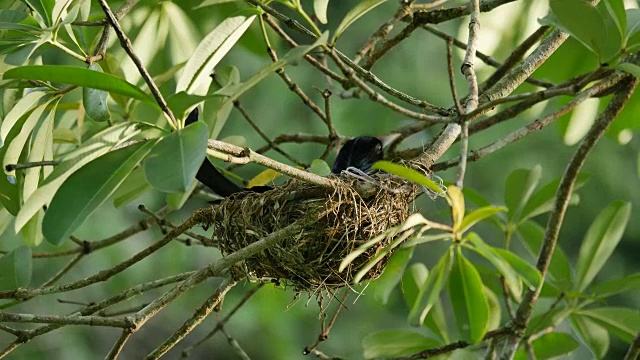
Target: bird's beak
(388,139)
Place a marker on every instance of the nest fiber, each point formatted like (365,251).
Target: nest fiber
(336,221)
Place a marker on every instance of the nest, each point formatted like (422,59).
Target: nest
(336,221)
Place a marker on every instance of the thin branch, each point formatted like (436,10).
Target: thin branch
(126,45)
(534,126)
(455,345)
(373,95)
(365,74)
(122,10)
(468,69)
(194,320)
(119,344)
(482,56)
(383,31)
(217,268)
(235,345)
(237,155)
(503,88)
(187,351)
(634,349)
(452,80)
(516,56)
(437,16)
(64,320)
(26,293)
(73,262)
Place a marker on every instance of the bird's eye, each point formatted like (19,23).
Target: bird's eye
(378,148)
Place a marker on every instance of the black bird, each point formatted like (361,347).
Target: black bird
(360,152)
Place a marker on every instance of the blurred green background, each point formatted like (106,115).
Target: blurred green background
(273,324)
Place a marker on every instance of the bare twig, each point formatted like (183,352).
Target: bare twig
(126,45)
(187,351)
(634,349)
(468,69)
(194,320)
(534,126)
(365,74)
(26,293)
(237,155)
(119,344)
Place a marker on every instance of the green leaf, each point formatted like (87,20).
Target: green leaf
(519,187)
(98,145)
(478,215)
(112,66)
(629,68)
(31,233)
(174,161)
(320,9)
(18,20)
(632,38)
(488,252)
(213,2)
(408,174)
(468,299)
(594,336)
(456,201)
(559,268)
(406,227)
(495,309)
(15,268)
(601,239)
(616,286)
(17,145)
(216,110)
(436,321)
(5,219)
(392,274)
(180,102)
(58,8)
(320,167)
(175,201)
(621,322)
(394,343)
(426,238)
(549,346)
(85,190)
(354,14)
(23,106)
(586,24)
(265,177)
(133,186)
(95,101)
(617,14)
(381,254)
(527,272)
(42,141)
(80,77)
(9,190)
(542,200)
(44,8)
(412,280)
(430,289)
(210,51)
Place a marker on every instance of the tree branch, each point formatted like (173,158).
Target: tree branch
(561,203)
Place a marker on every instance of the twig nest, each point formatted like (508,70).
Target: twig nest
(337,221)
